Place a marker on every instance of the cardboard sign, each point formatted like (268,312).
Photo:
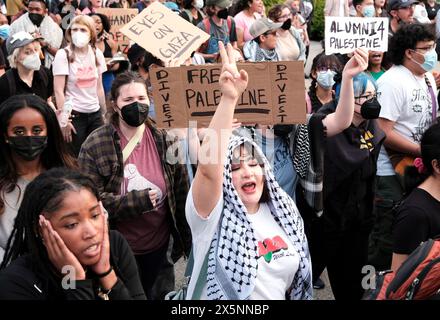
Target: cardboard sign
(275,94)
(344,35)
(164,33)
(119,18)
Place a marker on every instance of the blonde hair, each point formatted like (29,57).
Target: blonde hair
(89,23)
(12,58)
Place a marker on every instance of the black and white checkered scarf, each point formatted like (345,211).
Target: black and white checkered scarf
(232,261)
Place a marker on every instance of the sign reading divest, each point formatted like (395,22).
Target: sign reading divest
(344,35)
(119,18)
(164,33)
(275,94)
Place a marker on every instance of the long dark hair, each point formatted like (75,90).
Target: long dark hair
(322,59)
(430,148)
(239,6)
(55,154)
(45,193)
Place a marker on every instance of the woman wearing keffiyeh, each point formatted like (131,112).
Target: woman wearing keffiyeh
(249,229)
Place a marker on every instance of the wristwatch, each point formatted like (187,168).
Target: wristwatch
(103,294)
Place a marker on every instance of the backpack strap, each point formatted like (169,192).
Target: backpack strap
(68,67)
(229,22)
(11,82)
(207,25)
(189,13)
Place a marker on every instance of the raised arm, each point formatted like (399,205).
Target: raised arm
(343,116)
(208,181)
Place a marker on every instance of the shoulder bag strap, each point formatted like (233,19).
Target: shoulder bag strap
(201,280)
(133,142)
(433,99)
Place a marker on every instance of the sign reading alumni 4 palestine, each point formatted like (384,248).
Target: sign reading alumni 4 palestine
(344,35)
(164,33)
(275,94)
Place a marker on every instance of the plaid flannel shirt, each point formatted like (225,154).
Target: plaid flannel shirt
(101,159)
(307,147)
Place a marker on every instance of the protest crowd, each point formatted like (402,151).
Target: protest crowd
(101,193)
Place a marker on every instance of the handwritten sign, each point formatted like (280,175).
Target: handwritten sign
(164,33)
(119,18)
(275,94)
(344,35)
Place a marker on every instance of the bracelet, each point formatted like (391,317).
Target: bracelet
(102,275)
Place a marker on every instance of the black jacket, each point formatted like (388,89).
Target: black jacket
(19,281)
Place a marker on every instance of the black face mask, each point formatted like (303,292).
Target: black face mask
(370,109)
(287,24)
(28,147)
(223,14)
(282,130)
(134,114)
(36,18)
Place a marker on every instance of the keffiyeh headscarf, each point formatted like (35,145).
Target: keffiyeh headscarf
(232,260)
(253,52)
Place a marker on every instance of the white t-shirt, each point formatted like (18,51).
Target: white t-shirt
(405,99)
(82,80)
(12,202)
(278,261)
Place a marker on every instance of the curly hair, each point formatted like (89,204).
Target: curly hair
(406,38)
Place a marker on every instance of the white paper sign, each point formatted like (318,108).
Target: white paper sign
(344,35)
(164,33)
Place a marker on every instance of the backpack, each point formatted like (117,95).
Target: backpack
(418,278)
(11,80)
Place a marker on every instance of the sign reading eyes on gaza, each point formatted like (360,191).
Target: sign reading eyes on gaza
(164,33)
(275,94)
(344,35)
(118,18)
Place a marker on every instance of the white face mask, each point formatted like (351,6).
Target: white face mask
(199,4)
(32,62)
(80,39)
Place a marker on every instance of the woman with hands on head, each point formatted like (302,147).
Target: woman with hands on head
(143,192)
(61,249)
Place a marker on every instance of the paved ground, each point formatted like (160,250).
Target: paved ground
(326,293)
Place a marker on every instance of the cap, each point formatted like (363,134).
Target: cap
(18,40)
(219,3)
(420,14)
(399,4)
(135,53)
(172,6)
(263,25)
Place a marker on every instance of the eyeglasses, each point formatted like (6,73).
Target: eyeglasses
(368,96)
(427,48)
(323,68)
(285,16)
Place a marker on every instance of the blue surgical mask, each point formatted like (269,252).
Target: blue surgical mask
(369,11)
(430,60)
(325,79)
